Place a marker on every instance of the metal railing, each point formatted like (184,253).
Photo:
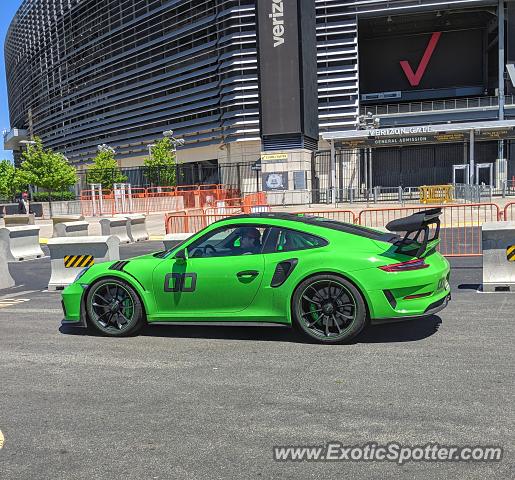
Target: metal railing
(436,105)
(509,212)
(462,193)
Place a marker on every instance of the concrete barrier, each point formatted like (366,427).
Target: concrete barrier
(35,208)
(71,229)
(172,239)
(68,256)
(17,220)
(22,243)
(137,228)
(118,226)
(498,241)
(6,281)
(56,219)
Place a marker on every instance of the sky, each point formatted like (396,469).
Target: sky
(7,10)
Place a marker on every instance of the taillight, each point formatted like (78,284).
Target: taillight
(417,264)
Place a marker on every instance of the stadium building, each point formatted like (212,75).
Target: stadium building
(301,95)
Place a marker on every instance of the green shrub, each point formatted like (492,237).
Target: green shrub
(55,196)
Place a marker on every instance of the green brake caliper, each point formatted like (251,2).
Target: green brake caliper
(314,313)
(127,309)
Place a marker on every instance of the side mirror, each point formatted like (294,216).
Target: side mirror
(182,255)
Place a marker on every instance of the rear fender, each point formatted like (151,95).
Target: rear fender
(349,277)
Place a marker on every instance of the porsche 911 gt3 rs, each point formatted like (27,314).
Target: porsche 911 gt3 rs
(325,278)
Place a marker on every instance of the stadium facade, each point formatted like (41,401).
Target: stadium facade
(390,75)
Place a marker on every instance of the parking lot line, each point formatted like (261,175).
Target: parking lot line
(19,294)
(11,302)
(32,311)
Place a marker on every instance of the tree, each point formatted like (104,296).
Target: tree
(161,163)
(46,169)
(105,169)
(9,181)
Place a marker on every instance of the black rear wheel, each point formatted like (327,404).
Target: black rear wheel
(114,308)
(328,309)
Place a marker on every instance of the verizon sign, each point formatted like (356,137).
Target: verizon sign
(287,67)
(392,132)
(418,65)
(277,17)
(414,78)
(279,59)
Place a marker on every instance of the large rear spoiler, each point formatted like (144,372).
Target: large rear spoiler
(415,225)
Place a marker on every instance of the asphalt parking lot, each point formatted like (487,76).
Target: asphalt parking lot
(202,403)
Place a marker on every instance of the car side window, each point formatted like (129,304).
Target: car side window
(229,241)
(287,240)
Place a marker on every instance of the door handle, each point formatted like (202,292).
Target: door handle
(247,274)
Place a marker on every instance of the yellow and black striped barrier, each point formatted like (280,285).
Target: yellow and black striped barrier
(79,261)
(510,253)
(436,194)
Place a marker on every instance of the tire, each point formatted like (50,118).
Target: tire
(328,309)
(114,309)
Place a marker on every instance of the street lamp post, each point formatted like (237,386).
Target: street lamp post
(368,122)
(106,148)
(149,168)
(27,144)
(150,147)
(176,142)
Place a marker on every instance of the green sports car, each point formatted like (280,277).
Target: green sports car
(325,278)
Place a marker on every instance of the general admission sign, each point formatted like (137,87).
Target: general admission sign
(399,136)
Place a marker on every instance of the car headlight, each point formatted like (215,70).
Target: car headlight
(81,273)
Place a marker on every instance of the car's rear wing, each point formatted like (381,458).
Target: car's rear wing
(414,226)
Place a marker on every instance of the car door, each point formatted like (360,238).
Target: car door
(217,277)
(284,249)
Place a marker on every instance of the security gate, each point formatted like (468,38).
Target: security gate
(460,174)
(344,176)
(484,173)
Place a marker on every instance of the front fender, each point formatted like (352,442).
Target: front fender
(146,297)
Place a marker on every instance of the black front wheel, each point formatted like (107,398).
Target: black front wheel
(328,309)
(114,308)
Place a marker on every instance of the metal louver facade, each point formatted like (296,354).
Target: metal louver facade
(84,72)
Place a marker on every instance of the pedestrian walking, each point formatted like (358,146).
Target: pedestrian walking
(23,204)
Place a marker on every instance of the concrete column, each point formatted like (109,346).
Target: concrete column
(472,167)
(332,179)
(501,172)
(370,168)
(283,173)
(502,60)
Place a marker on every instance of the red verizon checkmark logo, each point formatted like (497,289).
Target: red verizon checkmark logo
(414,78)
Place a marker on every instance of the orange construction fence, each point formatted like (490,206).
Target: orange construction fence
(148,200)
(509,212)
(460,232)
(347,216)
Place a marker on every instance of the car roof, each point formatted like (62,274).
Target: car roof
(316,222)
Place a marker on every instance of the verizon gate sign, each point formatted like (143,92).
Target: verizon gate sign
(287,68)
(391,132)
(277,17)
